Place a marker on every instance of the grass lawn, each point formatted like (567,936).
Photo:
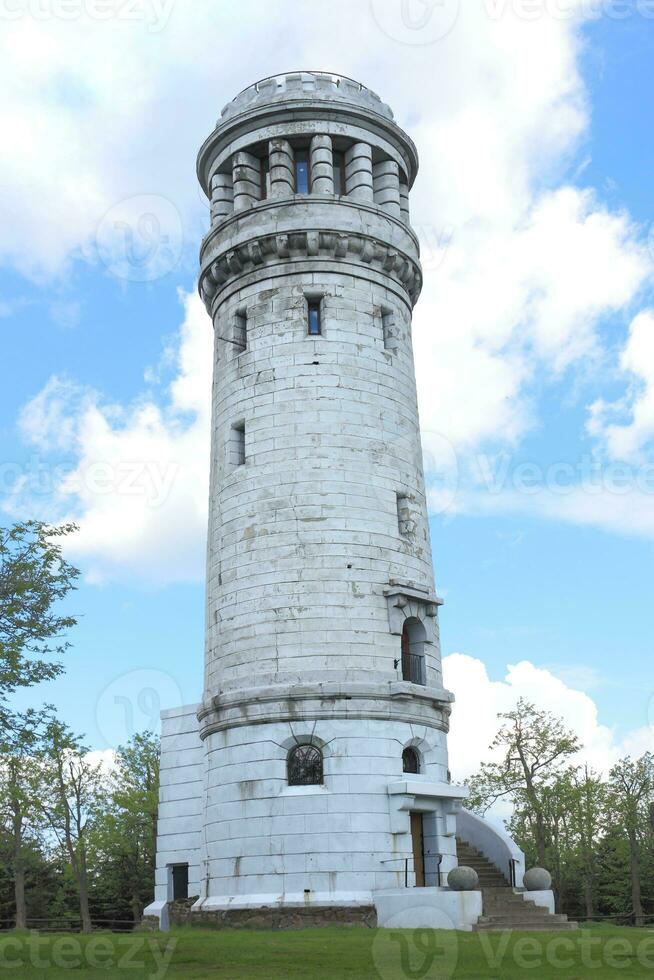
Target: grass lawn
(339,952)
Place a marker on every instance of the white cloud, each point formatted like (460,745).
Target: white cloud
(627,440)
(138,481)
(521,267)
(479,700)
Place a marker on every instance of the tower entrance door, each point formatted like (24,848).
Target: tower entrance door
(418,845)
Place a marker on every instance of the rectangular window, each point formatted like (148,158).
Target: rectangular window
(265,177)
(240,331)
(302,172)
(236,447)
(388,329)
(339,174)
(179,881)
(314,318)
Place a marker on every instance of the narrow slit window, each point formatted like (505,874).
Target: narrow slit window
(339,174)
(314,318)
(302,180)
(240,331)
(388,330)
(265,177)
(237,444)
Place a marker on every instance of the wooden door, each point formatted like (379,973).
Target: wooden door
(417,840)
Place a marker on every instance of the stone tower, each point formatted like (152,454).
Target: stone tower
(320,774)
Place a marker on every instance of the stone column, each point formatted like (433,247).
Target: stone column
(247,180)
(386,180)
(282,177)
(404,202)
(222,197)
(322,165)
(358,172)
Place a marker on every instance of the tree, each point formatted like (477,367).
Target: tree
(76,792)
(535,749)
(631,792)
(588,814)
(124,835)
(34,577)
(21,788)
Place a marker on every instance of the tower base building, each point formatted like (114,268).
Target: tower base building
(312,780)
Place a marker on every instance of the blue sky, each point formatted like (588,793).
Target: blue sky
(534,337)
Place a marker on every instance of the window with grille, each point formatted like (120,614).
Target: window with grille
(305,766)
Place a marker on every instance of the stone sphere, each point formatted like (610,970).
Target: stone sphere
(463,879)
(537,880)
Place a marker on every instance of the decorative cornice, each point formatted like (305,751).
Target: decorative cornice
(395,701)
(270,249)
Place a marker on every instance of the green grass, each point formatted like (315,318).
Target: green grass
(330,954)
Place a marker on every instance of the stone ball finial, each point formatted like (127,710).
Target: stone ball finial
(463,879)
(537,880)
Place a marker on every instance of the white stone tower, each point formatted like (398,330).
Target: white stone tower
(320,775)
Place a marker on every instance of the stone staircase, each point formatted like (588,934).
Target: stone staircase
(504,908)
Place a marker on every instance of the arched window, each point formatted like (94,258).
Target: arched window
(413,659)
(304,765)
(410,760)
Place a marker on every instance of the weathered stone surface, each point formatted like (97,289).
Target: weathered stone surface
(537,880)
(463,879)
(312,916)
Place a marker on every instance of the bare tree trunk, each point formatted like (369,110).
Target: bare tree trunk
(19,869)
(588,898)
(137,908)
(636,901)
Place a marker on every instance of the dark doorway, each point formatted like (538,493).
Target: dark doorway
(180,881)
(418,844)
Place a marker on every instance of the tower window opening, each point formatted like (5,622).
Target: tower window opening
(413,660)
(304,766)
(314,318)
(264,176)
(405,517)
(302,180)
(240,331)
(236,448)
(339,174)
(388,330)
(410,760)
